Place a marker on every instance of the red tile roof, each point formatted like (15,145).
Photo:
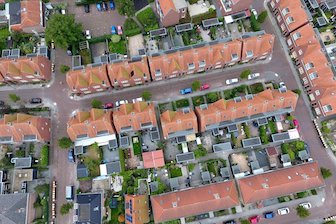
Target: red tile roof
(194,201)
(281,182)
(153,159)
(20,125)
(166,6)
(137,207)
(259,46)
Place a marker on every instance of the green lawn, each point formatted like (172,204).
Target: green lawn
(198,100)
(182,103)
(256,88)
(137,148)
(148,19)
(175,172)
(119,48)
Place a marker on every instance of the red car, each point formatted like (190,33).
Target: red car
(108,105)
(204,87)
(254,219)
(120,32)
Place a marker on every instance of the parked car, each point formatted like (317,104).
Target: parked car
(105,6)
(269,215)
(306,205)
(71,157)
(254,219)
(186,91)
(204,87)
(35,100)
(282,85)
(87,8)
(87,34)
(254,13)
(108,105)
(99,6)
(230,222)
(283,211)
(113,30)
(253,76)
(231,81)
(120,32)
(112,5)
(118,103)
(137,100)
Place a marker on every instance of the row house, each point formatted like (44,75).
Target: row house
(171,11)
(257,47)
(176,124)
(127,73)
(19,128)
(89,79)
(223,113)
(290,15)
(134,117)
(28,16)
(25,69)
(88,127)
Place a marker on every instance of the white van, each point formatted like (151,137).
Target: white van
(69,194)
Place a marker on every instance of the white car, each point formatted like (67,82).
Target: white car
(231,81)
(253,76)
(118,103)
(87,34)
(254,13)
(137,100)
(306,205)
(283,211)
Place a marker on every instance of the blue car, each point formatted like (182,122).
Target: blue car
(113,30)
(269,215)
(71,158)
(99,7)
(186,91)
(112,6)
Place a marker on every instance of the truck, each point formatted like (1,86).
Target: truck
(69,193)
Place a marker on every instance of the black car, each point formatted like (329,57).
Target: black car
(230,222)
(105,6)
(35,100)
(87,8)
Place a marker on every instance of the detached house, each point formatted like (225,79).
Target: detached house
(19,128)
(26,16)
(88,127)
(262,105)
(257,47)
(89,79)
(25,70)
(128,73)
(134,117)
(136,209)
(179,123)
(171,11)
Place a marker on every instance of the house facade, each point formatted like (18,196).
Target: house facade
(171,11)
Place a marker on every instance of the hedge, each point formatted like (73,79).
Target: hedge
(148,19)
(131,28)
(100,39)
(208,15)
(44,156)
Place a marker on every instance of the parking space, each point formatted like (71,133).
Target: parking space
(98,22)
(98,49)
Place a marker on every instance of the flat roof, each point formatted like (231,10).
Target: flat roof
(222,147)
(154,134)
(158,33)
(206,176)
(313,4)
(78,150)
(20,176)
(76,61)
(183,27)
(262,121)
(185,157)
(285,158)
(321,21)
(303,155)
(24,162)
(331,4)
(124,141)
(174,183)
(225,172)
(232,128)
(210,22)
(110,168)
(251,142)
(280,137)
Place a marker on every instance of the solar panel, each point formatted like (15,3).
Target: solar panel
(184,27)
(5,52)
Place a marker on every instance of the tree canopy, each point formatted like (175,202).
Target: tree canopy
(302,212)
(63,30)
(146,95)
(64,143)
(196,85)
(125,7)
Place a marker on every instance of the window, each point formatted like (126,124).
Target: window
(279,18)
(305,81)
(317,92)
(327,108)
(296,35)
(202,64)
(309,66)
(300,52)
(124,81)
(234,57)
(285,11)
(289,42)
(249,54)
(313,75)
(283,27)
(191,66)
(158,72)
(289,20)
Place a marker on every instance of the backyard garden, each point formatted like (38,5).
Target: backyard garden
(92,159)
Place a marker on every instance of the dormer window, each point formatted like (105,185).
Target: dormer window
(285,11)
(157,72)
(202,64)
(327,108)
(191,66)
(309,66)
(296,35)
(289,20)
(249,54)
(234,57)
(313,75)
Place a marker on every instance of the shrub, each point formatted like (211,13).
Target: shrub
(131,28)
(196,85)
(191,167)
(146,95)
(212,97)
(100,39)
(245,74)
(44,155)
(272,126)
(208,15)
(255,25)
(263,134)
(13,97)
(326,173)
(64,143)
(325,128)
(115,38)
(200,152)
(64,69)
(20,153)
(247,130)
(148,19)
(302,212)
(96,104)
(297,91)
(262,16)
(119,48)
(65,208)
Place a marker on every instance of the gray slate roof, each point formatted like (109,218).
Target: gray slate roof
(89,208)
(13,208)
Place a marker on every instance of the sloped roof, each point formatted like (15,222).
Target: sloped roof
(137,206)
(13,208)
(296,11)
(166,6)
(258,45)
(153,159)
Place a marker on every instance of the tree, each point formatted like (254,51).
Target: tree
(196,85)
(146,95)
(63,30)
(13,97)
(64,143)
(115,38)
(96,104)
(245,74)
(125,7)
(297,91)
(255,25)
(262,16)
(302,212)
(330,222)
(212,97)
(64,69)
(131,28)
(326,173)
(42,188)
(299,145)
(65,208)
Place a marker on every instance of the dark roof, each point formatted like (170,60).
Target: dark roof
(226,146)
(185,157)
(82,171)
(89,208)
(13,208)
(24,162)
(14,12)
(251,142)
(113,167)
